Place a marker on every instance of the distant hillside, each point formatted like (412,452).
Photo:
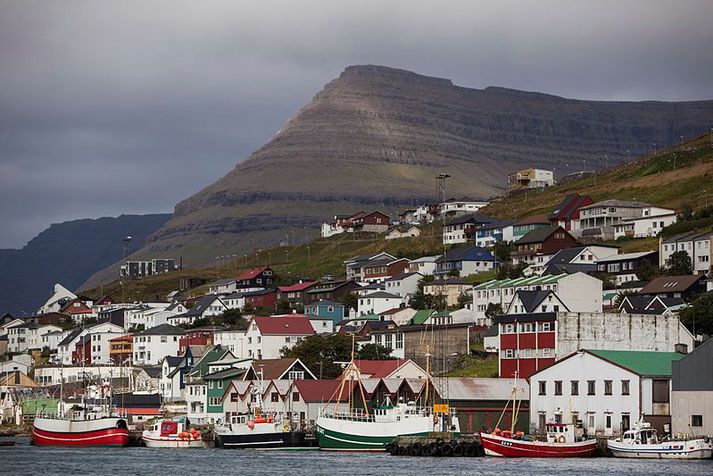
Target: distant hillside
(67,253)
(375,137)
(651,178)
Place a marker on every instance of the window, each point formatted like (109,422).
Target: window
(542,387)
(233,397)
(625,387)
(591,387)
(399,341)
(509,353)
(164,339)
(574,387)
(660,388)
(558,387)
(295,396)
(220,384)
(274,397)
(296,375)
(696,420)
(607,388)
(607,420)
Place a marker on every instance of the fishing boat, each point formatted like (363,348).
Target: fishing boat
(259,430)
(172,434)
(358,429)
(560,442)
(642,441)
(93,423)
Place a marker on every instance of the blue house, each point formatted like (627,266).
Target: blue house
(468,261)
(325,308)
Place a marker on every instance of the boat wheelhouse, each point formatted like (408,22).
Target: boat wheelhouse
(642,441)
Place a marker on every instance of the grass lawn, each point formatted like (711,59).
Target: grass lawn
(469,366)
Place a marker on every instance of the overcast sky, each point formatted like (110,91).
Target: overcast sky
(130,106)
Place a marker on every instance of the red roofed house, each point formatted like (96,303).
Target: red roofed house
(295,294)
(256,278)
(566,214)
(266,335)
(396,368)
(78,310)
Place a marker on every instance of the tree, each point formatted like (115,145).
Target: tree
(502,251)
(283,307)
(454,273)
(375,352)
(350,301)
(698,316)
(679,264)
(233,318)
(512,272)
(136,328)
(421,300)
(608,281)
(200,322)
(686,211)
(647,271)
(464,300)
(319,353)
(493,309)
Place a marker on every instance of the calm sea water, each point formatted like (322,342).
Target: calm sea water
(23,459)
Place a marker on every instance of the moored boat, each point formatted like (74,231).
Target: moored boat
(561,442)
(642,441)
(260,432)
(93,423)
(172,434)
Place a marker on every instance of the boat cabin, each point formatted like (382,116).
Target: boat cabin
(560,433)
(641,436)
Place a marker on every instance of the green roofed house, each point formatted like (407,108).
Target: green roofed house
(607,390)
(421,316)
(196,390)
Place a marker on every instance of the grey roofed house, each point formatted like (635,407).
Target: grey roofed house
(222,282)
(471,218)
(153,371)
(70,337)
(616,203)
(201,305)
(162,330)
(537,235)
(399,277)
(531,299)
(381,294)
(468,253)
(497,225)
(173,361)
(694,372)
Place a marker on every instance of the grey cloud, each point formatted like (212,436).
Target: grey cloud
(112,107)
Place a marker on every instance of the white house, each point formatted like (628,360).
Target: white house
(461,206)
(26,337)
(424,265)
(396,233)
(203,308)
(152,314)
(404,284)
(223,286)
(378,302)
(645,225)
(67,345)
(578,292)
(100,335)
(321,324)
(231,339)
(266,336)
(60,296)
(599,219)
(51,340)
(699,247)
(36,335)
(607,390)
(152,345)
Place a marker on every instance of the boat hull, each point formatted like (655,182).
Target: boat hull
(171,443)
(346,435)
(693,449)
(98,432)
(272,440)
(495,445)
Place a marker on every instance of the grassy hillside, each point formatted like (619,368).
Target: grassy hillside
(680,177)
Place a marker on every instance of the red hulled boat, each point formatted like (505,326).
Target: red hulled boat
(561,442)
(85,425)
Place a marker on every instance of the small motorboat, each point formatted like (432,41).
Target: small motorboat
(561,442)
(642,441)
(172,434)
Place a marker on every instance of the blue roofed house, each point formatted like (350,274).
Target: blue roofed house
(488,235)
(468,261)
(325,308)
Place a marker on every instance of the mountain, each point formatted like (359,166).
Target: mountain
(67,253)
(375,137)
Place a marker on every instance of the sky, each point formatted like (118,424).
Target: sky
(129,107)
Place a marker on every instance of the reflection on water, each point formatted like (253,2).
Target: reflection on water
(23,459)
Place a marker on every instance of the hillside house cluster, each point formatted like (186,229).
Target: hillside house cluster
(360,222)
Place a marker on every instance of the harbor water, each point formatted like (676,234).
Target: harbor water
(24,459)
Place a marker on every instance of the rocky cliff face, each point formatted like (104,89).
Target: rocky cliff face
(375,138)
(67,253)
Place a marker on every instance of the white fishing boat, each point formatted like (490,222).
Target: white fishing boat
(642,441)
(358,429)
(172,434)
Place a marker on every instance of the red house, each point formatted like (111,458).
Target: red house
(374,222)
(82,352)
(295,293)
(527,343)
(540,243)
(197,336)
(265,298)
(256,278)
(568,210)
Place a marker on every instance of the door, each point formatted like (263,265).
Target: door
(625,422)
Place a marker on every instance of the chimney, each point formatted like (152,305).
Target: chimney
(681,348)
